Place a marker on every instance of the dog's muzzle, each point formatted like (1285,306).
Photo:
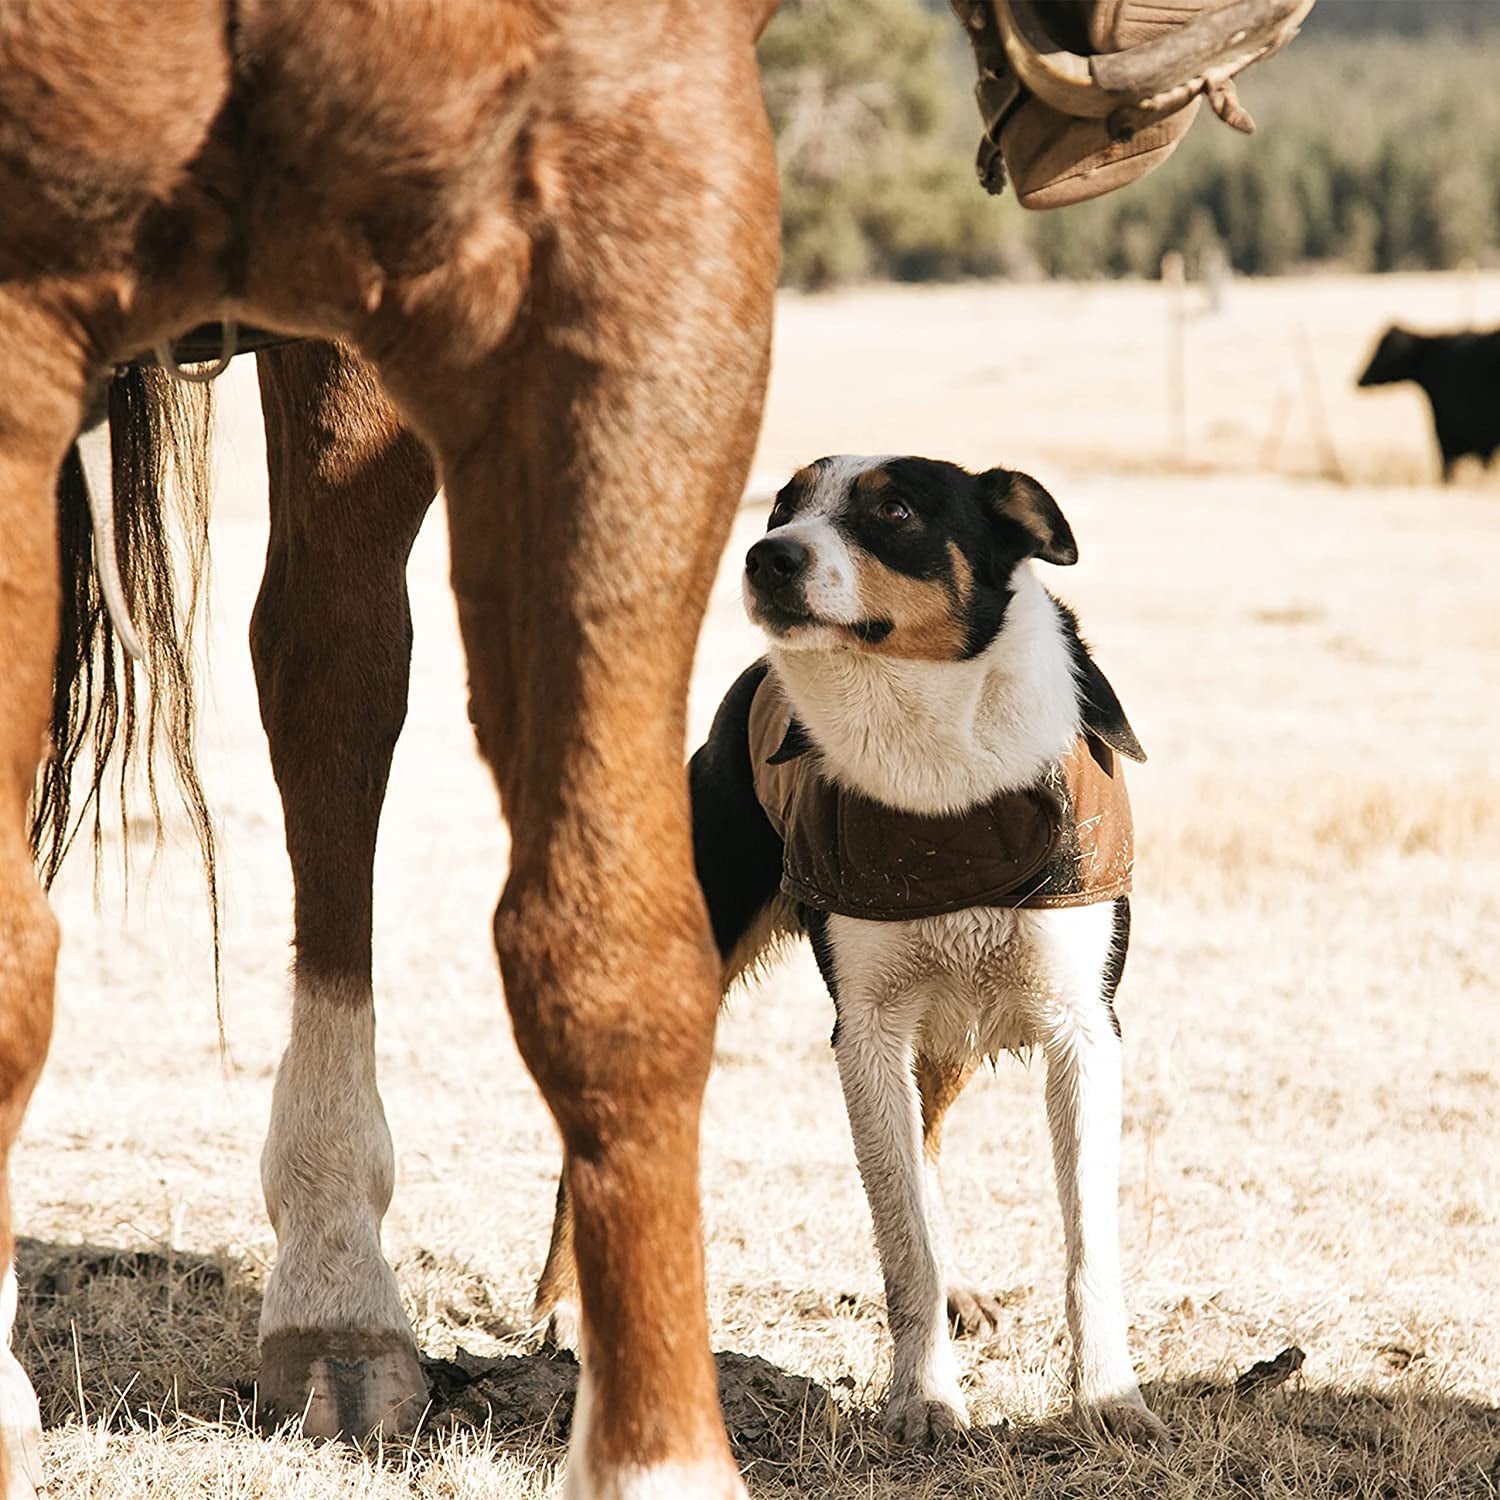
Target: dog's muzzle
(776,572)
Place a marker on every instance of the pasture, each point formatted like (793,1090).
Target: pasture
(1311,1009)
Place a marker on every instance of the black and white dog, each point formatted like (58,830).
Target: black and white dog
(893,779)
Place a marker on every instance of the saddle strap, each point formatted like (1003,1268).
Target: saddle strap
(216,344)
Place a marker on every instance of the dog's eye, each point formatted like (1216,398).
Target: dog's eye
(893,510)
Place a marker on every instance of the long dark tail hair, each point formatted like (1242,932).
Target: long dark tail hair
(160,458)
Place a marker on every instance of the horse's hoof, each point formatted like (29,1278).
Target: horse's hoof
(23,1461)
(343,1384)
(20,1430)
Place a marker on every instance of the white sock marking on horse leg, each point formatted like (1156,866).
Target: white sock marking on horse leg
(674,1479)
(328,1170)
(20,1420)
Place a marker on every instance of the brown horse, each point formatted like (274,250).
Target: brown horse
(551,227)
(547,228)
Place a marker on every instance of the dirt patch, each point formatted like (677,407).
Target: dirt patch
(767,1410)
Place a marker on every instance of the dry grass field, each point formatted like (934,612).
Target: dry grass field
(1311,1010)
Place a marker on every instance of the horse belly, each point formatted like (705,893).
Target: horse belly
(104,107)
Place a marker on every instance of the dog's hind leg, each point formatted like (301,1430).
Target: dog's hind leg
(556,1295)
(1075,967)
(331,641)
(940,1080)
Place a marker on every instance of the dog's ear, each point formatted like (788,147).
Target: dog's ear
(1019,499)
(1102,714)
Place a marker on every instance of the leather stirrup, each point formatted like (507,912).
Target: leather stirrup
(1079,97)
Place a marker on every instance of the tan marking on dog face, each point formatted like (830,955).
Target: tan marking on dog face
(873,481)
(963,576)
(927,624)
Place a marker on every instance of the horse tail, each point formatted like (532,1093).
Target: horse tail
(103,713)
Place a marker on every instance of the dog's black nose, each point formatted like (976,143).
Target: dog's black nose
(775,560)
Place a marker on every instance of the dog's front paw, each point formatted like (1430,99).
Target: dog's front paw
(920,1419)
(973,1314)
(1129,1420)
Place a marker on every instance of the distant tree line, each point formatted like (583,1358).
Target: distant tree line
(1375,152)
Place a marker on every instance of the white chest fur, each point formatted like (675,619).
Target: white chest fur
(936,737)
(985,980)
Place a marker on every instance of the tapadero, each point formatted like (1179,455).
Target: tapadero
(1063,841)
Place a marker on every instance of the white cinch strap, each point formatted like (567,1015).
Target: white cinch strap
(166,357)
(94,456)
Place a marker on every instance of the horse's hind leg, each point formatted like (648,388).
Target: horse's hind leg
(592,465)
(40,408)
(580,633)
(331,639)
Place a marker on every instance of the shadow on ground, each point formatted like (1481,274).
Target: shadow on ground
(134,1335)
(142,1337)
(137,1336)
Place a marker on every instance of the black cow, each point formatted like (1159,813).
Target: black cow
(1460,373)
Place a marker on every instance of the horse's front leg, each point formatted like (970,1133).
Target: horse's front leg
(331,639)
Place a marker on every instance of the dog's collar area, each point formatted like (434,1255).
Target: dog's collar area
(1064,840)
